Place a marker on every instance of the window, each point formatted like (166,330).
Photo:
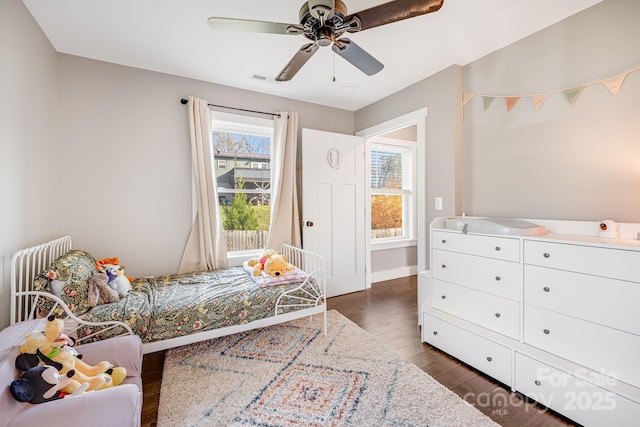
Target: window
(243,145)
(392,189)
(259,165)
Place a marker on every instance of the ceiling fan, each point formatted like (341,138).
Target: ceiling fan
(324,22)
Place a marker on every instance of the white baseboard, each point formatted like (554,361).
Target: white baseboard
(396,273)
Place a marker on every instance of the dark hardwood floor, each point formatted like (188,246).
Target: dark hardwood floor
(389,312)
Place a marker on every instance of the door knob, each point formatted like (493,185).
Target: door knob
(309,223)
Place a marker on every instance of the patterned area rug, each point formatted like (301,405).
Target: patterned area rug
(292,375)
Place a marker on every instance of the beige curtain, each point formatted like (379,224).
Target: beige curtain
(206,248)
(285,222)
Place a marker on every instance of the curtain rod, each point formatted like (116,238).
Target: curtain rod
(185,101)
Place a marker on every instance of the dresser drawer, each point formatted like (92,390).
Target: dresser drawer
(486,246)
(493,359)
(496,313)
(605,262)
(600,348)
(600,300)
(494,276)
(586,403)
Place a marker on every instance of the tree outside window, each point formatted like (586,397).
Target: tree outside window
(244,191)
(392,183)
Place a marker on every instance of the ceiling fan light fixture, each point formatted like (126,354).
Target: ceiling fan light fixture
(324,22)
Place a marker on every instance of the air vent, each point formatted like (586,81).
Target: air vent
(259,77)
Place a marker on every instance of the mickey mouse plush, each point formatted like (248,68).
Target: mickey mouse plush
(41,383)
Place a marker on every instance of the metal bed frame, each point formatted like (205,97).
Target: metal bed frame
(27,263)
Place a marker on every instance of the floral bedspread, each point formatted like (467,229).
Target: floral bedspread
(164,307)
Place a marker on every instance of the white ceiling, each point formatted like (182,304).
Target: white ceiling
(172,36)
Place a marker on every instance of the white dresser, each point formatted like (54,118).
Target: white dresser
(555,317)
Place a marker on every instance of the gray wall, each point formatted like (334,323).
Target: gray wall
(29,160)
(101,152)
(440,93)
(125,139)
(579,162)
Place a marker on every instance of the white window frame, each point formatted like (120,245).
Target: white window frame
(236,123)
(409,220)
(222,164)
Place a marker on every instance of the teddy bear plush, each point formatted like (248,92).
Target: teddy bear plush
(276,266)
(258,263)
(100,292)
(51,341)
(115,272)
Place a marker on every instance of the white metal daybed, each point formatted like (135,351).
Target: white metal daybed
(166,311)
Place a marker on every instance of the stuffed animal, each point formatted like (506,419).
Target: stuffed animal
(41,383)
(100,292)
(117,279)
(51,341)
(258,263)
(117,374)
(276,265)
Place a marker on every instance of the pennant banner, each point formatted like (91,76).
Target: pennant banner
(511,102)
(487,100)
(613,83)
(572,94)
(466,97)
(538,100)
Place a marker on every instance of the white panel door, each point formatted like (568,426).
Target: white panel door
(333,210)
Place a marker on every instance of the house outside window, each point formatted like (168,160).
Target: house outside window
(393,190)
(244,190)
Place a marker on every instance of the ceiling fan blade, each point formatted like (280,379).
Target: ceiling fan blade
(357,56)
(394,11)
(299,59)
(250,26)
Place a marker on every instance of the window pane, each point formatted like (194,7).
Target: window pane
(244,187)
(386,216)
(386,169)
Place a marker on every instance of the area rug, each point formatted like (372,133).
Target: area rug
(293,375)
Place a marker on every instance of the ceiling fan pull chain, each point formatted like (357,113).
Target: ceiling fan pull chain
(333,56)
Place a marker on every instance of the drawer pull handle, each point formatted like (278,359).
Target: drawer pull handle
(546,254)
(497,248)
(537,382)
(489,358)
(498,278)
(546,331)
(444,241)
(497,314)
(546,289)
(435,332)
(444,265)
(444,297)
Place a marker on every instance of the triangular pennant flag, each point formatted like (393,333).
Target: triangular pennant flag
(572,94)
(614,83)
(538,100)
(466,97)
(511,101)
(487,100)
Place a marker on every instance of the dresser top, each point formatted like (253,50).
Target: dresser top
(565,231)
